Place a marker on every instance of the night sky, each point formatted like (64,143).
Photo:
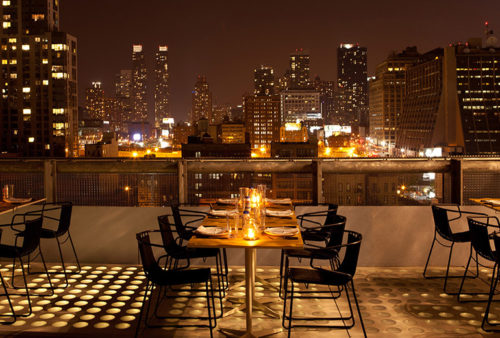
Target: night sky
(226,40)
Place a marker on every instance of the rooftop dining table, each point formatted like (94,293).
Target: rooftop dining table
(492,203)
(264,241)
(12,207)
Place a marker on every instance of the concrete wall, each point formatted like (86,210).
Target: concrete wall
(392,236)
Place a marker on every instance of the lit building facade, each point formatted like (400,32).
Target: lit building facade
(293,132)
(94,102)
(326,91)
(123,93)
(387,93)
(352,97)
(460,111)
(299,105)
(161,85)
(262,119)
(201,100)
(299,70)
(220,112)
(264,81)
(139,102)
(232,133)
(38,81)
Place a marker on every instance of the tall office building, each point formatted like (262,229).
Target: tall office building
(326,91)
(38,81)
(299,70)
(201,100)
(264,81)
(262,119)
(452,100)
(139,85)
(123,93)
(352,97)
(220,112)
(161,86)
(94,102)
(387,92)
(299,106)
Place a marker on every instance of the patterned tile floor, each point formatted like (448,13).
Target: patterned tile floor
(105,301)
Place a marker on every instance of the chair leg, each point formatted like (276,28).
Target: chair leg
(142,309)
(208,309)
(463,278)
(62,262)
(47,272)
(291,309)
(281,274)
(74,252)
(493,285)
(27,290)
(429,255)
(357,306)
(448,267)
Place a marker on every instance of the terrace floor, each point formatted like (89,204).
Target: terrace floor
(105,301)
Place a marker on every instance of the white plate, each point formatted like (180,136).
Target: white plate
(210,231)
(221,213)
(230,201)
(17,200)
(279,200)
(283,232)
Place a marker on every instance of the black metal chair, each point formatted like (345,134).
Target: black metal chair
(327,234)
(443,228)
(176,252)
(480,240)
(31,242)
(185,231)
(156,276)
(63,221)
(342,276)
(494,282)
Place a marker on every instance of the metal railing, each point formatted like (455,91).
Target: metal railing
(140,182)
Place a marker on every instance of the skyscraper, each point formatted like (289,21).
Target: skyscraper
(452,100)
(38,81)
(139,85)
(299,70)
(262,119)
(161,85)
(326,91)
(123,93)
(264,81)
(201,100)
(94,101)
(387,93)
(352,104)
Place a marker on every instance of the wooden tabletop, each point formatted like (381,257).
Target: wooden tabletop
(264,240)
(493,203)
(8,207)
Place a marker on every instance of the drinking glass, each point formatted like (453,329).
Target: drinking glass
(232,224)
(244,192)
(8,191)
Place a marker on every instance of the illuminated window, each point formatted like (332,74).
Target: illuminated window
(6,3)
(37,17)
(26,89)
(13,62)
(45,82)
(58,125)
(12,40)
(58,111)
(45,61)
(59,47)
(47,146)
(6,24)
(4,62)
(31,139)
(37,39)
(13,76)
(25,47)
(26,111)
(59,75)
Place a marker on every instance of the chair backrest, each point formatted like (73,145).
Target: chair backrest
(441,222)
(167,236)
(64,218)
(149,264)
(331,214)
(31,238)
(496,240)
(334,231)
(351,254)
(480,238)
(179,226)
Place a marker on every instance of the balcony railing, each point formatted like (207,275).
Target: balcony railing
(138,182)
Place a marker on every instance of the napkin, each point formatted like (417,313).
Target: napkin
(221,212)
(279,213)
(17,200)
(226,200)
(282,231)
(279,200)
(492,202)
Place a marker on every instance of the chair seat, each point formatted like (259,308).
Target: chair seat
(319,276)
(461,236)
(9,251)
(311,253)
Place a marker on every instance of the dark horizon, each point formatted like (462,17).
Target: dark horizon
(226,40)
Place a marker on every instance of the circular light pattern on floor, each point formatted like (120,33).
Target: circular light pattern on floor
(80,325)
(74,309)
(107,318)
(67,316)
(113,310)
(87,317)
(59,324)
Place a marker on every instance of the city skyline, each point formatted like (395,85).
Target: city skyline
(218,41)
